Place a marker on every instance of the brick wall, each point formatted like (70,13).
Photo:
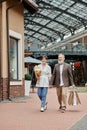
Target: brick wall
(3,88)
(15,91)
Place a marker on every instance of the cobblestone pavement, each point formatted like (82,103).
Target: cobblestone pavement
(24,114)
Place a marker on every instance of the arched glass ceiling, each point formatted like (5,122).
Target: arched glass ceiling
(54,20)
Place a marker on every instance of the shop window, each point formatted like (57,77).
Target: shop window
(13,59)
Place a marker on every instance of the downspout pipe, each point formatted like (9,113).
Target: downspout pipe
(8,45)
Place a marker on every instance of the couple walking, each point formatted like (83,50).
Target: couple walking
(61,79)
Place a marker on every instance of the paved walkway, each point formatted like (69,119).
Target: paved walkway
(24,114)
(80,125)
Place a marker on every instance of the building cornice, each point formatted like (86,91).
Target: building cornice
(31,6)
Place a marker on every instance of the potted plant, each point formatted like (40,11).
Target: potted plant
(27,84)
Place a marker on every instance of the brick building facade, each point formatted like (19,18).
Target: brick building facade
(12,77)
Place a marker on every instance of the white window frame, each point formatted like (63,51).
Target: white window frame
(18,36)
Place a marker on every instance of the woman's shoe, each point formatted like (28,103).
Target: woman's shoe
(45,107)
(42,109)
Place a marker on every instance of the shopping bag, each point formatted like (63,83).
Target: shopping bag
(78,99)
(70,99)
(73,98)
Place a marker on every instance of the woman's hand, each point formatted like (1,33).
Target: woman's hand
(38,78)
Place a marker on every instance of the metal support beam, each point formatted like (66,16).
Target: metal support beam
(38,15)
(81,2)
(30,36)
(64,11)
(48,37)
(43,26)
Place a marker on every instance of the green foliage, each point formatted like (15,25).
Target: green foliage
(27,77)
(82,89)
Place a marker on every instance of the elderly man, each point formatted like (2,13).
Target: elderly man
(61,79)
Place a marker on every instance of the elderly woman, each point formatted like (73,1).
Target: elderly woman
(43,82)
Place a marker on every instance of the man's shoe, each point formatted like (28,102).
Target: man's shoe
(42,109)
(60,108)
(63,110)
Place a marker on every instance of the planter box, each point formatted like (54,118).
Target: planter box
(27,87)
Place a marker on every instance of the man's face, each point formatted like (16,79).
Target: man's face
(60,59)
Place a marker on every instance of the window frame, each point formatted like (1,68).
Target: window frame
(16,58)
(17,36)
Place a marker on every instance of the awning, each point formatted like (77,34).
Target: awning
(31,60)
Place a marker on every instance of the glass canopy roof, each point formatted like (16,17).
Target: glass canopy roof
(54,20)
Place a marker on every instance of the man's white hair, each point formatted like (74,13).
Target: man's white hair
(62,55)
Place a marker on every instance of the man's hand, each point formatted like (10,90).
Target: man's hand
(50,86)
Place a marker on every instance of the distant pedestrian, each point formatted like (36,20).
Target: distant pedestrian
(62,78)
(33,81)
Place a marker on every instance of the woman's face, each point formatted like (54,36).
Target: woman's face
(44,60)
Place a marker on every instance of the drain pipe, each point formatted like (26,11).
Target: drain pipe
(8,44)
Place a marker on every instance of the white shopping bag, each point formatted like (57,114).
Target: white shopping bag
(74,98)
